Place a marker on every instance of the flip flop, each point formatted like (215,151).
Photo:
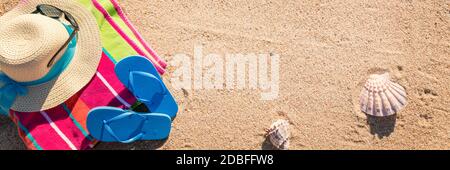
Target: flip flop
(109,124)
(139,75)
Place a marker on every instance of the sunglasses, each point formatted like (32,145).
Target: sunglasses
(56,13)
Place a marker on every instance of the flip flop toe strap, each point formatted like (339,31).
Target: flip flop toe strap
(160,91)
(106,124)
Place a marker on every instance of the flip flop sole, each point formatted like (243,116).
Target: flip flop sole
(153,126)
(167,104)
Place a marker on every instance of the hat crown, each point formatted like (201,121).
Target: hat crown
(85,53)
(27,43)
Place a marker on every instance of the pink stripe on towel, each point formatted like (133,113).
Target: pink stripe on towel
(63,121)
(123,34)
(137,34)
(98,93)
(41,130)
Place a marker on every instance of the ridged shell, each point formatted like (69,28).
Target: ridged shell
(381,97)
(279,135)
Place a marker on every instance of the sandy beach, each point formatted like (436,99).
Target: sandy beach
(327,51)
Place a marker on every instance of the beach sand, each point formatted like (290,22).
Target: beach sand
(327,50)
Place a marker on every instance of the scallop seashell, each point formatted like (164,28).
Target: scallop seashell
(279,135)
(381,97)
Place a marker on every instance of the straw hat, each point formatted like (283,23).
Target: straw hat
(27,43)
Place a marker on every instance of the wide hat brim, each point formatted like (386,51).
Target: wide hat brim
(78,73)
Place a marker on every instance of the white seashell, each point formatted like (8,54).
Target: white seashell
(381,97)
(279,135)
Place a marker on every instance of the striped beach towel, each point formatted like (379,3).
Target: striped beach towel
(64,127)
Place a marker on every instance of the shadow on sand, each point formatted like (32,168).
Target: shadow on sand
(266,145)
(382,126)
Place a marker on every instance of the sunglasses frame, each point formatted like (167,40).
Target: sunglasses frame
(40,9)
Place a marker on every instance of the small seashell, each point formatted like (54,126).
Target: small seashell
(381,97)
(279,135)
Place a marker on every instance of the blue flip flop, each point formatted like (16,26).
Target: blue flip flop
(139,75)
(109,124)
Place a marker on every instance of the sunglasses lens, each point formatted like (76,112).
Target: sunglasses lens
(50,11)
(71,20)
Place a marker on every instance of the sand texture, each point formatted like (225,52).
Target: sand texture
(327,48)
